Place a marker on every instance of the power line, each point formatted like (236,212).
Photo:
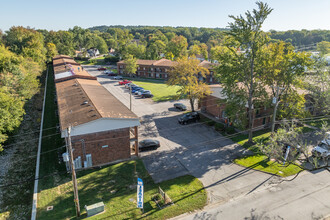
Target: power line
(197,144)
(30,140)
(209,141)
(10,136)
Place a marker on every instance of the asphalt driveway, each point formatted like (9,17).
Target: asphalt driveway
(194,149)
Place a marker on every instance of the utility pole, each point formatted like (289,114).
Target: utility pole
(130,96)
(74,180)
(275,102)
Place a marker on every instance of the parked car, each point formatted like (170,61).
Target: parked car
(112,74)
(107,71)
(188,118)
(144,92)
(180,106)
(136,89)
(118,77)
(139,91)
(327,138)
(148,144)
(124,82)
(101,68)
(147,95)
(129,85)
(321,151)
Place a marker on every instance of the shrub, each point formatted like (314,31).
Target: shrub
(219,127)
(230,130)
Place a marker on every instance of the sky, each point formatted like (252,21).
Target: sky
(65,14)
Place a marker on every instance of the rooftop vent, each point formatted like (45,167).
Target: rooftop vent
(85,102)
(76,84)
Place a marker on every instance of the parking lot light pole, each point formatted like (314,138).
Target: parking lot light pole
(130,96)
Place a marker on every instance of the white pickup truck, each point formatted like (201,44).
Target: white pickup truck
(323,149)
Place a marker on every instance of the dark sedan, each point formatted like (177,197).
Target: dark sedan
(188,118)
(148,144)
(180,106)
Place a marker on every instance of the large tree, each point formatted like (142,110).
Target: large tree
(18,83)
(239,66)
(26,42)
(184,74)
(323,47)
(318,84)
(281,69)
(51,51)
(131,65)
(177,46)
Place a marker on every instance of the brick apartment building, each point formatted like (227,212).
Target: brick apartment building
(102,128)
(159,69)
(214,105)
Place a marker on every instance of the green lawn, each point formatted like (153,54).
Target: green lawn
(259,161)
(115,186)
(242,139)
(159,89)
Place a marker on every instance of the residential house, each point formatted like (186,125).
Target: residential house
(102,128)
(93,52)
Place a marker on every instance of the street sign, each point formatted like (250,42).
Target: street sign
(274,100)
(140,194)
(286,154)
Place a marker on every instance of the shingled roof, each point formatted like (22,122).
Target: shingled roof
(81,100)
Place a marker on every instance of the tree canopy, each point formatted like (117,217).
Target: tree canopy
(237,63)
(18,83)
(185,75)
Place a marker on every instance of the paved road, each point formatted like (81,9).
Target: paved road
(306,197)
(194,149)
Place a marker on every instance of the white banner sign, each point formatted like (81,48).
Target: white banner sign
(140,194)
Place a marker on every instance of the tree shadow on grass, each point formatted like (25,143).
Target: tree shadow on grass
(97,185)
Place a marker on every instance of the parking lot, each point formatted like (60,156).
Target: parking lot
(194,149)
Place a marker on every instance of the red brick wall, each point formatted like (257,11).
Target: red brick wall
(118,148)
(211,105)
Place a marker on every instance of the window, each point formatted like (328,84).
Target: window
(138,68)
(264,121)
(151,69)
(144,68)
(104,146)
(77,163)
(157,75)
(88,160)
(211,79)
(165,75)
